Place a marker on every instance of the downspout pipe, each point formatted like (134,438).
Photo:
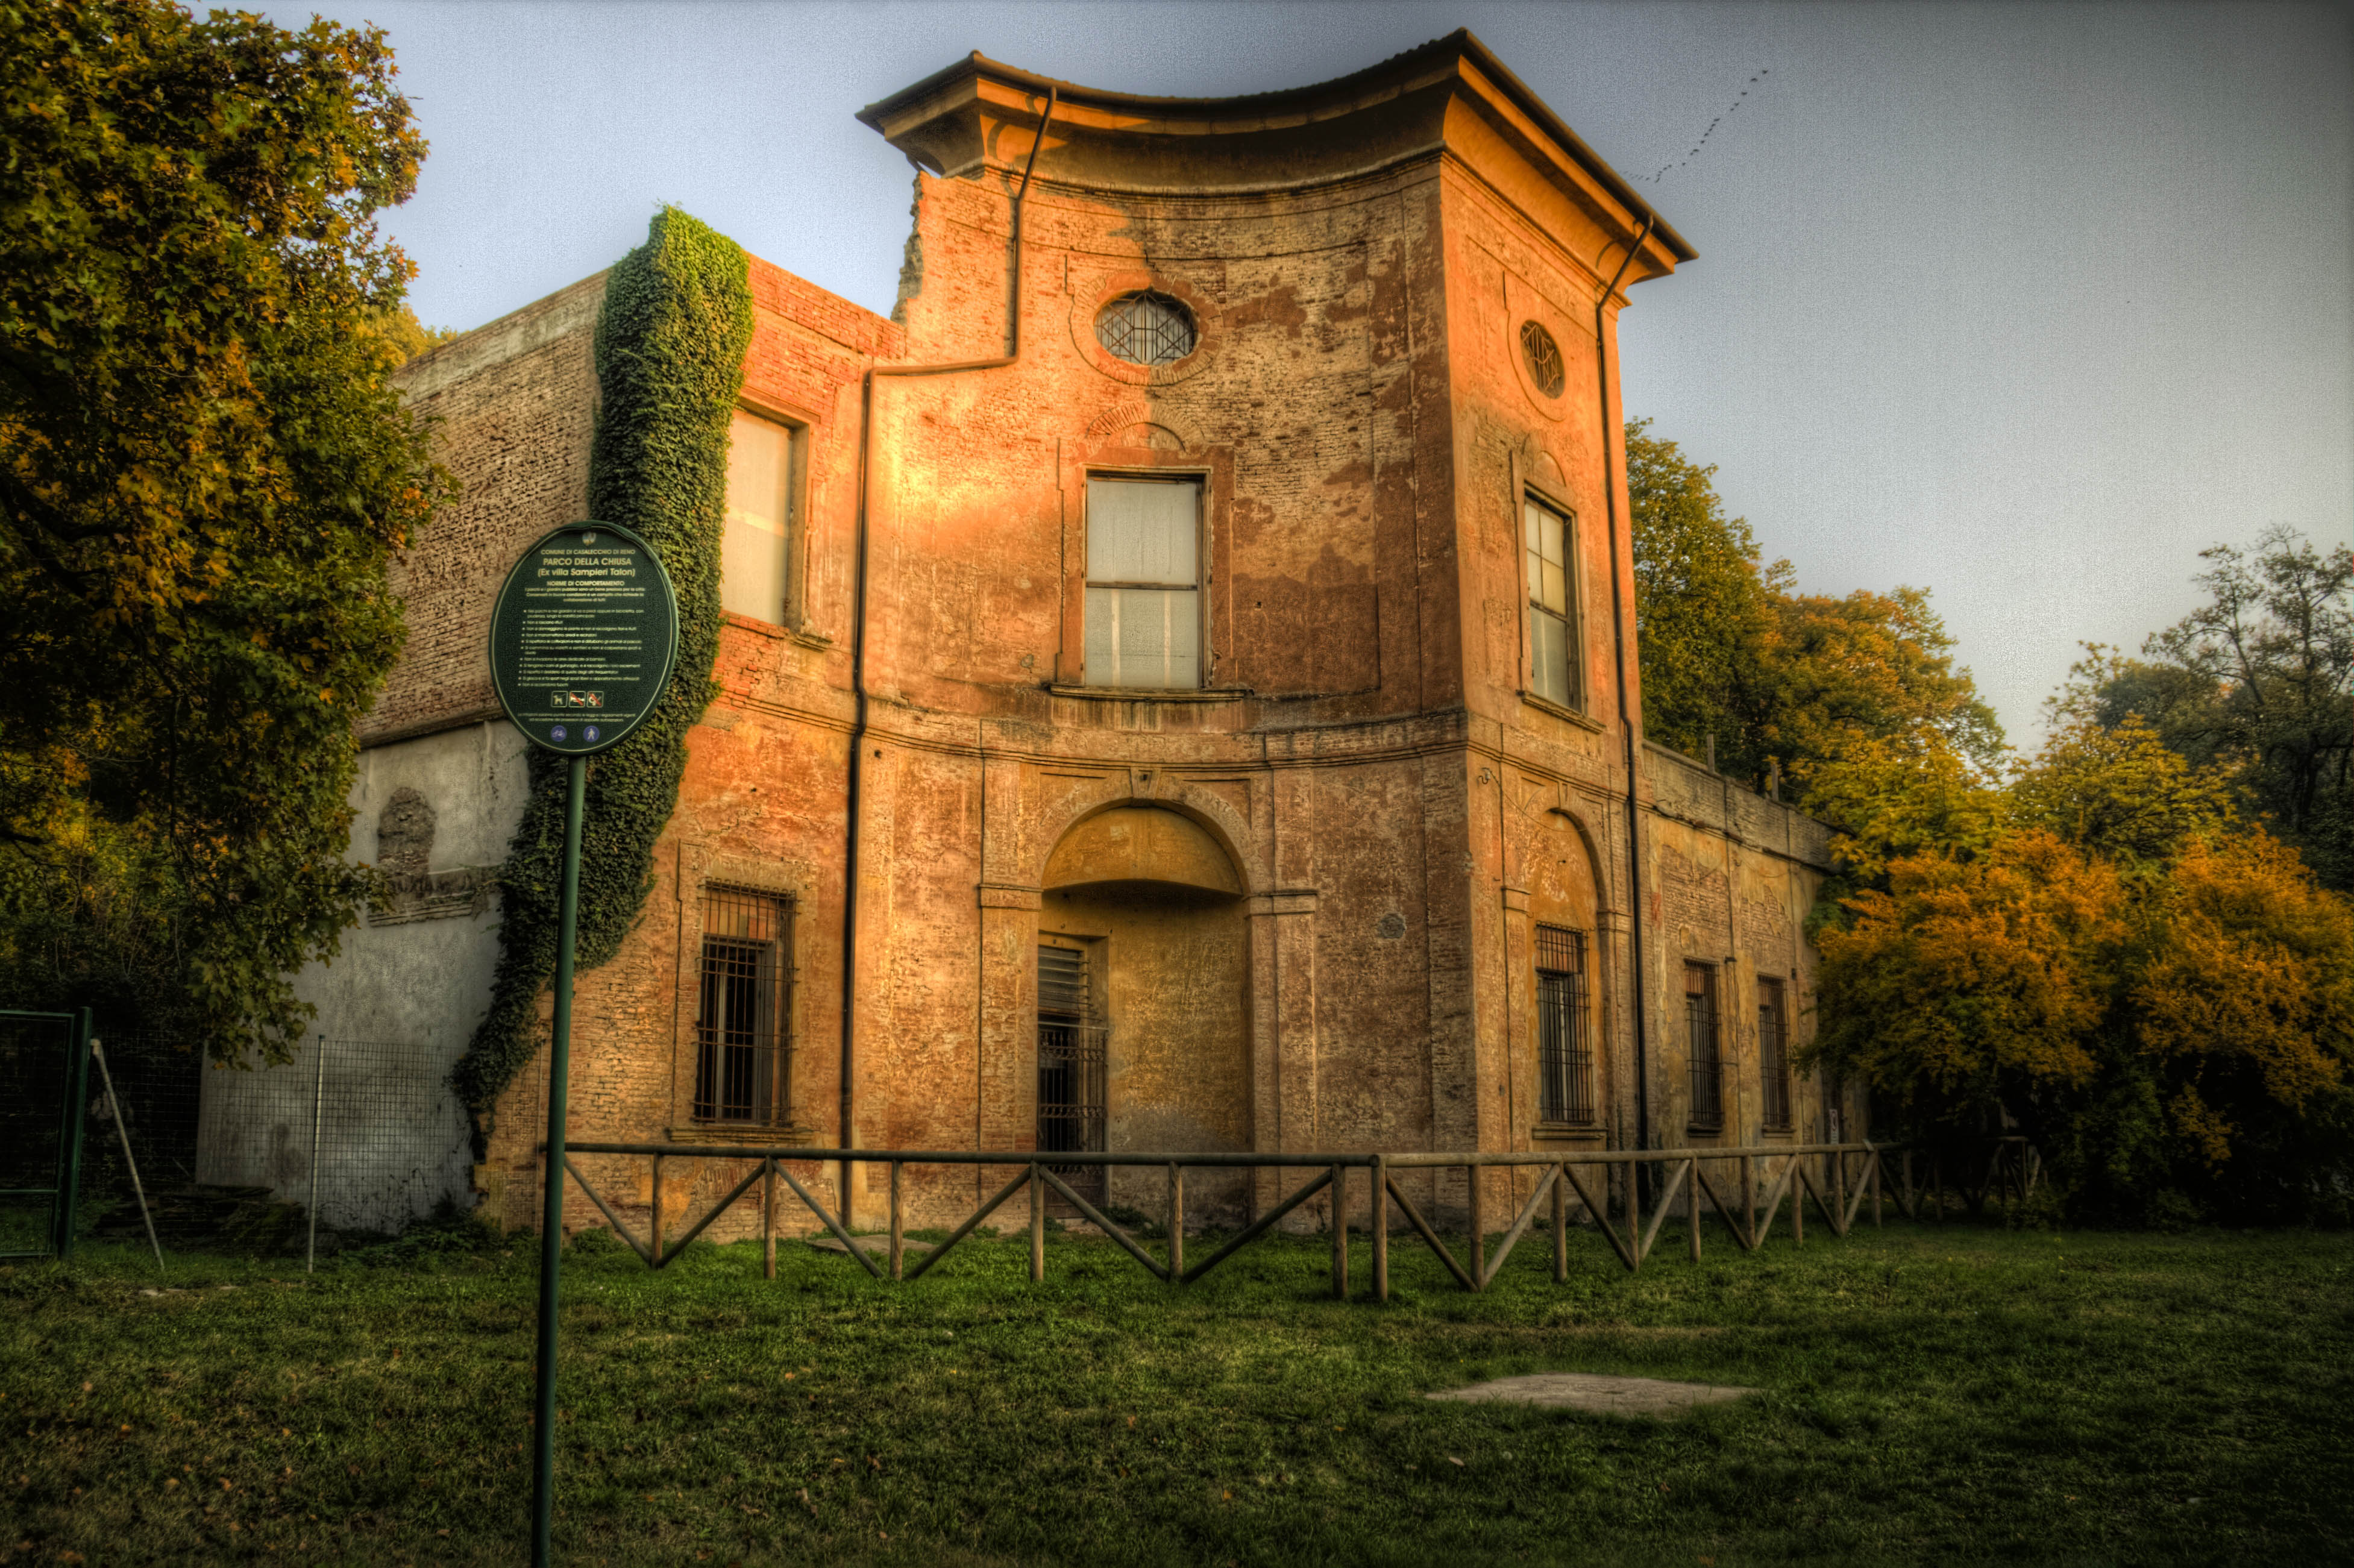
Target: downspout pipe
(1627,723)
(858,726)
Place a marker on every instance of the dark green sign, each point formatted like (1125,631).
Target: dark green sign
(583,637)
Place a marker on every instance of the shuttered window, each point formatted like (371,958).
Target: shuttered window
(1552,626)
(1144,599)
(755,540)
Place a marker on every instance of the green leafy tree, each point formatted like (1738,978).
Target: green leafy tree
(2258,681)
(204,472)
(1856,700)
(1703,610)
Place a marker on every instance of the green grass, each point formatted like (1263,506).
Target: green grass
(1932,1395)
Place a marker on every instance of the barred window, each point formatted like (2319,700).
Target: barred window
(1773,1056)
(1552,621)
(1146,328)
(1565,1053)
(1707,1060)
(743,1068)
(1543,357)
(1071,1067)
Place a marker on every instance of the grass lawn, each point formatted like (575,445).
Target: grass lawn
(1928,1394)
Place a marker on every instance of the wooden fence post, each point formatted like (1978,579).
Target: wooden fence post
(1561,1224)
(1339,1193)
(898,1222)
(1380,1228)
(1037,1225)
(768,1220)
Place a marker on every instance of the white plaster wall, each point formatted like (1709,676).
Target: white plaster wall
(395,1006)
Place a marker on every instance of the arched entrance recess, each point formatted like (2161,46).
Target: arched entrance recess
(1142,938)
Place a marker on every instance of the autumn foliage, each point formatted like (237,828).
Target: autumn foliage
(2162,997)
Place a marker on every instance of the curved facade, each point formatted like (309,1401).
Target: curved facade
(1243,665)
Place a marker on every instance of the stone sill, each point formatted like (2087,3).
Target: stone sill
(743,1133)
(1546,704)
(1567,1133)
(1150,694)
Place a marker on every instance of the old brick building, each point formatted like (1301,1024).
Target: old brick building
(1249,666)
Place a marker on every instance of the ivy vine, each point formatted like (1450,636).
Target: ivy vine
(671,338)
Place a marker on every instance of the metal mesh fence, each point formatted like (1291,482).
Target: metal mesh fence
(33,1069)
(367,1130)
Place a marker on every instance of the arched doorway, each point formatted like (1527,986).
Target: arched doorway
(1143,977)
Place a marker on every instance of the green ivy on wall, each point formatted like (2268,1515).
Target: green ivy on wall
(670,361)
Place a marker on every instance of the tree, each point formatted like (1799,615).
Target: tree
(1972,988)
(1851,698)
(203,474)
(2120,793)
(2259,681)
(1702,608)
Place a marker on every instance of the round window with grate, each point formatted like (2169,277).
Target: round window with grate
(1146,328)
(1543,357)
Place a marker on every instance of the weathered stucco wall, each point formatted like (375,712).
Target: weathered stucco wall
(396,1005)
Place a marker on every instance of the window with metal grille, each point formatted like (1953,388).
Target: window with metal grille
(1773,1056)
(1707,1060)
(1564,1058)
(1071,1067)
(1146,328)
(1144,600)
(1553,642)
(1543,357)
(755,540)
(743,1066)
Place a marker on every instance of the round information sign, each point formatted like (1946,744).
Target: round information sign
(583,637)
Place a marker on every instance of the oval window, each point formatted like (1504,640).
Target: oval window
(1543,357)
(1146,328)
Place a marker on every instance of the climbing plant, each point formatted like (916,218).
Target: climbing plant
(670,360)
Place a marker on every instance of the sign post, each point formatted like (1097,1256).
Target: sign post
(582,641)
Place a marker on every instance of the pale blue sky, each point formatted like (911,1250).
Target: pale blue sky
(2023,304)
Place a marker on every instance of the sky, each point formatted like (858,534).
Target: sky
(2026,305)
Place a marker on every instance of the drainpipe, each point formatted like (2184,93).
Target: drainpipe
(858,647)
(1625,719)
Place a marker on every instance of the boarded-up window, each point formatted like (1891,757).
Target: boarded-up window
(1553,627)
(1564,1058)
(743,1068)
(756,541)
(1144,600)
(1707,1060)
(1773,1056)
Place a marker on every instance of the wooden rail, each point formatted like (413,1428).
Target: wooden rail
(1839,1178)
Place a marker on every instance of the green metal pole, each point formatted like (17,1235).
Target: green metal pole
(70,1144)
(551,1220)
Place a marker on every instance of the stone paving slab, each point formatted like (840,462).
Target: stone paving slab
(1595,1391)
(873,1246)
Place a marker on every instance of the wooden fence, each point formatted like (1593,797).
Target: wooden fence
(1838,1179)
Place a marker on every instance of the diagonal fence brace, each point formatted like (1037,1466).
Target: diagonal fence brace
(612,1219)
(1430,1237)
(849,1242)
(671,1256)
(1021,1180)
(1151,1265)
(1601,1213)
(1251,1233)
(1511,1237)
(1660,1215)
